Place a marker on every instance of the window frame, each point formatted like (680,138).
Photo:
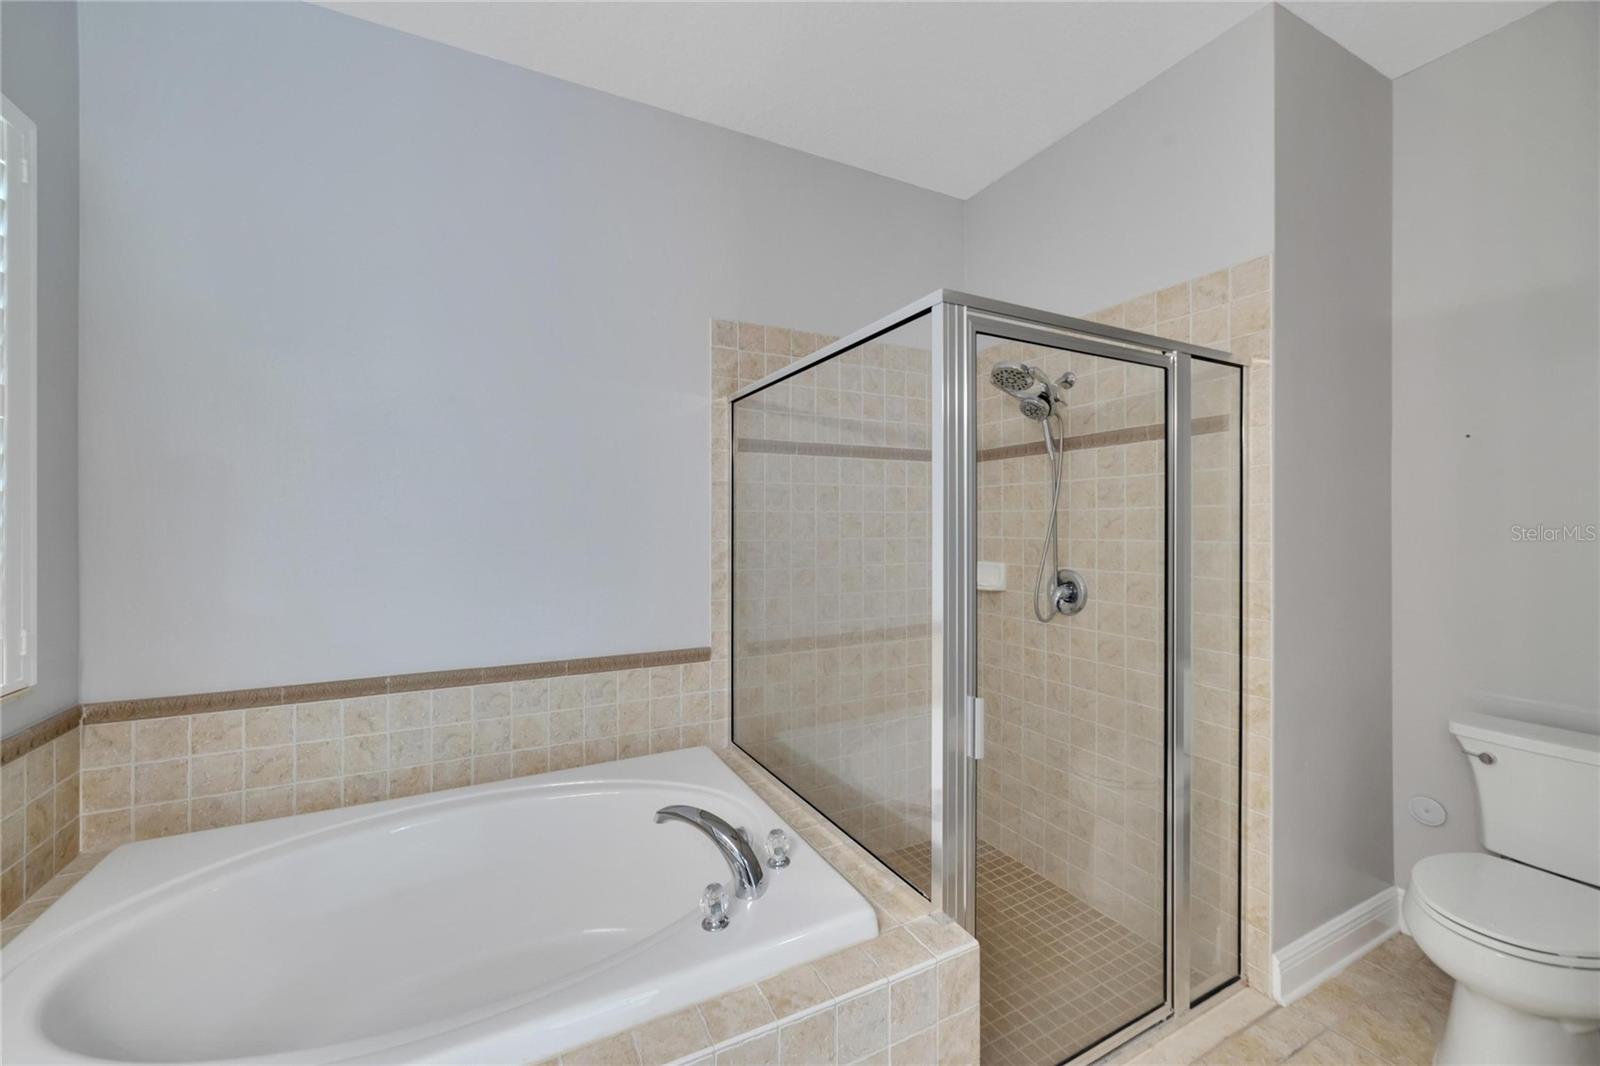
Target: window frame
(19,403)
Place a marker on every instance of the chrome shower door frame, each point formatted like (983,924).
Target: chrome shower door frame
(959,320)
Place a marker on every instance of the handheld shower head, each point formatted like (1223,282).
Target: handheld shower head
(1038,410)
(1037,395)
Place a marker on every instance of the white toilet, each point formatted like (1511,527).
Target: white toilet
(1519,928)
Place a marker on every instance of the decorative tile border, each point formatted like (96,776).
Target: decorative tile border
(838,451)
(846,639)
(1104,439)
(354,688)
(39,734)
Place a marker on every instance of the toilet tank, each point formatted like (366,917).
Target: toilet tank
(1538,792)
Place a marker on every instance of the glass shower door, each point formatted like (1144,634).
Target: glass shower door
(1070,901)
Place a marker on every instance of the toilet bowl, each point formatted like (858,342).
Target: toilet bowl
(1518,926)
(1523,947)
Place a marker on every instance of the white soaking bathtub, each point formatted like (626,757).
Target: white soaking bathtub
(497,923)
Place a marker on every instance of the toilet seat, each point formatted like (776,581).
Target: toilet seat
(1513,908)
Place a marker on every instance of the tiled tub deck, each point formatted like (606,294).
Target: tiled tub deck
(909,996)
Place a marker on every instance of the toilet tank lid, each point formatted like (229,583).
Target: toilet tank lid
(1529,736)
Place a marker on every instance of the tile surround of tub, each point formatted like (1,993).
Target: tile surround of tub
(153,777)
(38,817)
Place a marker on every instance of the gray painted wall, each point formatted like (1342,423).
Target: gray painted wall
(1332,845)
(368,320)
(1172,182)
(1496,396)
(39,73)
(1168,184)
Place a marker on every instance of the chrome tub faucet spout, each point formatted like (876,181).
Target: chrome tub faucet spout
(742,860)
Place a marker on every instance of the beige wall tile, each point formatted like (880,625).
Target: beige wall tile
(211,775)
(219,731)
(672,1037)
(160,738)
(1251,276)
(912,1004)
(105,789)
(612,1051)
(847,971)
(268,726)
(958,984)
(811,1041)
(107,829)
(161,782)
(917,1050)
(959,1039)
(863,1025)
(264,803)
(369,714)
(160,820)
(214,812)
(107,745)
(322,795)
(794,991)
(317,721)
(758,1051)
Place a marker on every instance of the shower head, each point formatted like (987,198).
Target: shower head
(1037,410)
(1037,395)
(1018,379)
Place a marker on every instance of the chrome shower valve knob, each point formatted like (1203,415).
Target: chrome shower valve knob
(714,905)
(778,849)
(1070,593)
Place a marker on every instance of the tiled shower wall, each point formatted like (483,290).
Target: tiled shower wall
(831,532)
(1071,784)
(1229,309)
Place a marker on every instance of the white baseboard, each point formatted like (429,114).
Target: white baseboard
(1301,966)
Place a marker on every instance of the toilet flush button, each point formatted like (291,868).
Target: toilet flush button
(1427,810)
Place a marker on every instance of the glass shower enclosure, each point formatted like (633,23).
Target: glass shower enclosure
(987,598)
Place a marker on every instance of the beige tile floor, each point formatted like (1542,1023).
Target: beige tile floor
(1388,1008)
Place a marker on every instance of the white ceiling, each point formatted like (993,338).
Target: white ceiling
(881,86)
(877,85)
(1398,37)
